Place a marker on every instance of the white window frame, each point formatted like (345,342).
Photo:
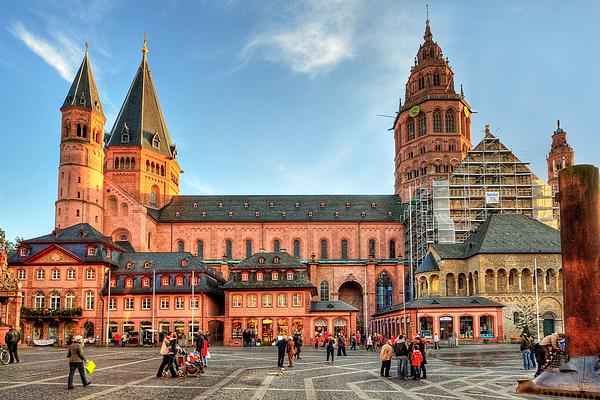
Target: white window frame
(259,276)
(274,276)
(69,300)
(251,301)
(55,274)
(128,304)
(89,274)
(23,252)
(39,300)
(269,302)
(179,303)
(290,276)
(164,303)
(236,301)
(21,275)
(90,300)
(127,280)
(146,303)
(91,251)
(40,274)
(244,277)
(194,303)
(71,274)
(280,297)
(54,301)
(112,304)
(297,299)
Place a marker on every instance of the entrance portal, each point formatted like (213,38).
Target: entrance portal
(267,331)
(446,327)
(549,323)
(351,292)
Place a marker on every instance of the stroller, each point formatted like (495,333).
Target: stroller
(188,364)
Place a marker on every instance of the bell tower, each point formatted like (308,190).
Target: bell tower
(561,155)
(80,171)
(432,129)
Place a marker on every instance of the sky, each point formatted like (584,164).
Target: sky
(284,97)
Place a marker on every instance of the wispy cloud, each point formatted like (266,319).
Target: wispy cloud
(197,186)
(315,38)
(58,50)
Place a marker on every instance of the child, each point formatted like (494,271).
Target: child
(416,359)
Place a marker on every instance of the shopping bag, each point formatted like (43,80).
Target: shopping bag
(90,366)
(208,354)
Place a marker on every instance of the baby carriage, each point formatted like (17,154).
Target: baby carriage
(193,364)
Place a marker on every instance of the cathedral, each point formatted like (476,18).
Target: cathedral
(129,253)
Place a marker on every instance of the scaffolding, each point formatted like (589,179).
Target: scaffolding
(490,178)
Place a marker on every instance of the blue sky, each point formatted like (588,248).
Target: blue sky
(281,97)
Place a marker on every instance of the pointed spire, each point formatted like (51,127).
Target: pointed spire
(428,35)
(83,92)
(145,48)
(462,93)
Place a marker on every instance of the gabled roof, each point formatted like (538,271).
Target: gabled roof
(281,208)
(286,261)
(428,264)
(334,305)
(443,302)
(83,92)
(141,115)
(505,234)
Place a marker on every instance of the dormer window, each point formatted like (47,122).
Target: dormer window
(246,205)
(108,253)
(113,283)
(274,276)
(129,264)
(146,264)
(257,214)
(230,213)
(310,213)
(195,205)
(271,205)
(261,260)
(146,282)
(363,214)
(290,276)
(259,276)
(220,205)
(284,214)
(91,251)
(184,262)
(347,205)
(23,252)
(164,281)
(276,260)
(244,277)
(336,214)
(389,213)
(373,205)
(177,213)
(297,205)
(156,141)
(204,213)
(194,281)
(128,283)
(179,281)
(125,134)
(322,205)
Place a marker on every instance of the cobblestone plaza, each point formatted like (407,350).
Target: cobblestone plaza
(469,372)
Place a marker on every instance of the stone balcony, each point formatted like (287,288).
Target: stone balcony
(47,313)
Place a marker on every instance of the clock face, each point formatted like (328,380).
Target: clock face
(414,111)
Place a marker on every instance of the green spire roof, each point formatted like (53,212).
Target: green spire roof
(83,92)
(140,122)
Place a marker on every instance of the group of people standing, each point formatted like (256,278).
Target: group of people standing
(542,354)
(411,357)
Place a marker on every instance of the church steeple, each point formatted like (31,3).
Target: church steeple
(83,92)
(561,155)
(140,143)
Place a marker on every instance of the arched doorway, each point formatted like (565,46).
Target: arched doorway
(351,292)
(215,330)
(549,321)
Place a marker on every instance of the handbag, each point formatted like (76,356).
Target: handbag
(90,366)
(208,354)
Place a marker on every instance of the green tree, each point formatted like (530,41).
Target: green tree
(11,246)
(528,319)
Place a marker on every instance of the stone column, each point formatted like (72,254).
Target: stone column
(519,276)
(468,285)
(495,281)
(579,196)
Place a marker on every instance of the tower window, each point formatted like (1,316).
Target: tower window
(344,250)
(450,126)
(78,130)
(411,129)
(422,83)
(77,213)
(84,131)
(156,141)
(323,249)
(422,125)
(436,79)
(437,122)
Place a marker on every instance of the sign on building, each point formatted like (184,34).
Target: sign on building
(492,197)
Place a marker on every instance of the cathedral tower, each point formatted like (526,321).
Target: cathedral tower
(561,155)
(80,174)
(140,155)
(432,130)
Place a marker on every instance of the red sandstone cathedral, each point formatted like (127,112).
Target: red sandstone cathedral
(130,254)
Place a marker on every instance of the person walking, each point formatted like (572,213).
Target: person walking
(341,346)
(281,347)
(402,353)
(416,360)
(420,344)
(330,347)
(290,349)
(525,352)
(532,353)
(12,339)
(369,342)
(353,342)
(167,362)
(204,353)
(386,359)
(298,344)
(436,341)
(76,360)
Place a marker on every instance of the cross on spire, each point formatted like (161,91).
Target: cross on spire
(86,47)
(145,48)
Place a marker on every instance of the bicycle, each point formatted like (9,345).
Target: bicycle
(4,355)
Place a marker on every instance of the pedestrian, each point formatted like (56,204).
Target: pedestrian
(167,362)
(550,345)
(76,360)
(353,342)
(436,341)
(525,351)
(330,347)
(117,339)
(281,347)
(402,353)
(532,353)
(540,356)
(199,348)
(416,360)
(386,359)
(341,346)
(205,354)
(12,339)
(420,344)
(298,344)
(124,339)
(369,342)
(290,350)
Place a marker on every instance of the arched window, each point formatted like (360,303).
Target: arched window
(384,292)
(147,165)
(422,124)
(40,300)
(180,246)
(450,126)
(133,163)
(436,78)
(162,170)
(152,167)
(324,291)
(200,249)
(156,141)
(392,249)
(69,300)
(437,121)
(127,163)
(323,249)
(248,248)
(154,195)
(276,245)
(84,134)
(410,128)
(344,250)
(149,240)
(54,301)
(372,248)
(431,52)
(79,130)
(164,281)
(297,248)
(117,163)
(228,249)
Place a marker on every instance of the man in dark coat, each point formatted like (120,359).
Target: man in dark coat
(76,361)
(298,344)
(281,346)
(12,339)
(341,346)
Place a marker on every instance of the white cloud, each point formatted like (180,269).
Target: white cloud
(60,52)
(197,186)
(314,39)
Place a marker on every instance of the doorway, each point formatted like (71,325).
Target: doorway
(446,327)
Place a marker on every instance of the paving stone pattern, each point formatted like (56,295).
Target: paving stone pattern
(469,372)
